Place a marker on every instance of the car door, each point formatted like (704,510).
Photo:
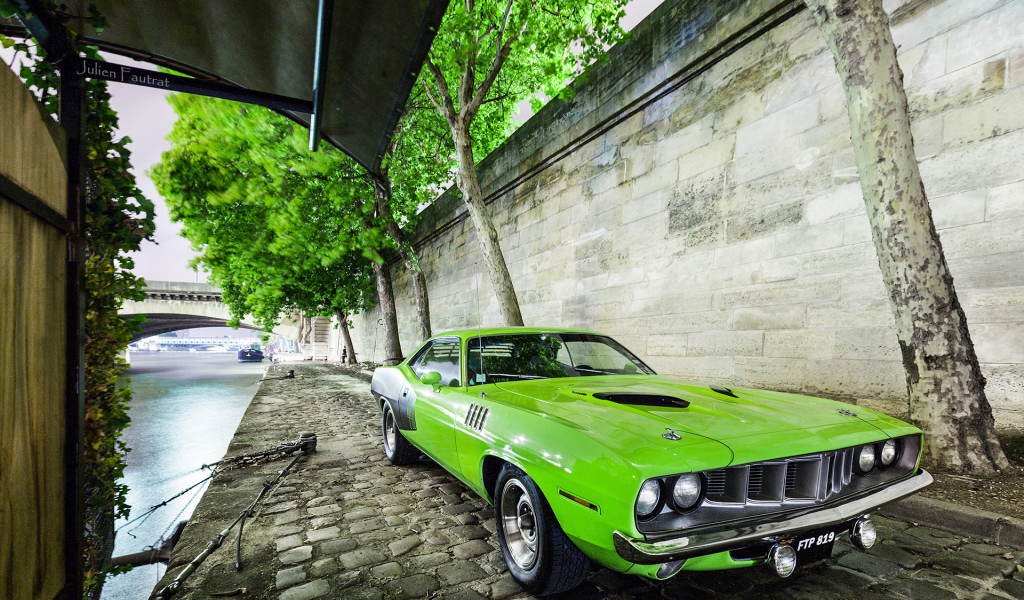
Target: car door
(437,405)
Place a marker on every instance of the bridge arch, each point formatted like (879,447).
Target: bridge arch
(171,305)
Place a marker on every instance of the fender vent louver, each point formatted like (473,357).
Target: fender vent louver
(655,400)
(477,416)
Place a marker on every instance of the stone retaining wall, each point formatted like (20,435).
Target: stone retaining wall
(720,232)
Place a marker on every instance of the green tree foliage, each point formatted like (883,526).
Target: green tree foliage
(279,228)
(488,56)
(117,218)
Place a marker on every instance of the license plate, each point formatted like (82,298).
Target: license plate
(814,545)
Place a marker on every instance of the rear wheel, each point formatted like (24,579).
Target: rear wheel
(539,556)
(398,449)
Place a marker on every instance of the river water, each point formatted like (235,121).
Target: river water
(185,409)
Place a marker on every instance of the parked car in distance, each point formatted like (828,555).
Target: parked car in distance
(587,454)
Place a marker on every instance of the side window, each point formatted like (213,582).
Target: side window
(443,357)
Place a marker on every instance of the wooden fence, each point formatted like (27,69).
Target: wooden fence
(33,259)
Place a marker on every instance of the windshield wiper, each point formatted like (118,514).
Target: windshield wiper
(595,371)
(515,376)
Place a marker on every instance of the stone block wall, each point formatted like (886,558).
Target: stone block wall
(720,233)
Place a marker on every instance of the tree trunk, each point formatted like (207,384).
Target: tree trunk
(382,187)
(944,382)
(349,348)
(386,296)
(386,300)
(305,328)
(419,285)
(469,185)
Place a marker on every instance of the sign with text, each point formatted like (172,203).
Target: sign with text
(98,69)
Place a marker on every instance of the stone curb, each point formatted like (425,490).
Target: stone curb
(963,520)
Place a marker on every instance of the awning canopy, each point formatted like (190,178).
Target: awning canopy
(376,49)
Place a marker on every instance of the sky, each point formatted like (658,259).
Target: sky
(146,118)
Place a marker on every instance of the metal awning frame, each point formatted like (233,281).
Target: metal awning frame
(56,39)
(203,83)
(323,43)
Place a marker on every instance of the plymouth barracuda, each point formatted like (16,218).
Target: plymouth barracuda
(587,454)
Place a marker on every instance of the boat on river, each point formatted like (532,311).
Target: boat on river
(250,355)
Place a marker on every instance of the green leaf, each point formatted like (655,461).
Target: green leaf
(8,9)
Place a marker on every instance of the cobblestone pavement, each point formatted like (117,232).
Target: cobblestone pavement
(348,524)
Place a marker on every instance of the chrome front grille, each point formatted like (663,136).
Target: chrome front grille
(799,479)
(716,482)
(791,478)
(777,486)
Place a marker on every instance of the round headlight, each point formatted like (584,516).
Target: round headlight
(686,491)
(647,501)
(889,452)
(866,458)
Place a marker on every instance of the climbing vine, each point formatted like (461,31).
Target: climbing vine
(117,218)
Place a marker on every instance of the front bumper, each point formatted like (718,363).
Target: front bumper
(642,552)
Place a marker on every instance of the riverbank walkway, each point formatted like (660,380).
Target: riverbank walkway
(345,524)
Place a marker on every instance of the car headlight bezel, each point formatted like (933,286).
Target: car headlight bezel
(895,453)
(697,495)
(866,458)
(655,506)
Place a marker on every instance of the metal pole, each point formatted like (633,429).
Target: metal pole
(323,43)
(72,103)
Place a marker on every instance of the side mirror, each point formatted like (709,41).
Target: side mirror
(630,368)
(432,378)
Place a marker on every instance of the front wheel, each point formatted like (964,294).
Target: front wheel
(540,557)
(398,449)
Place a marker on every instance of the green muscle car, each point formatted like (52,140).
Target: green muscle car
(587,454)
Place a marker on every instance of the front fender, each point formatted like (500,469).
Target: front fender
(590,489)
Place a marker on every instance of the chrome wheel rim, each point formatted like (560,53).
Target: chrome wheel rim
(389,431)
(519,524)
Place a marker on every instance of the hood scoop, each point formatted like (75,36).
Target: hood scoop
(655,400)
(723,390)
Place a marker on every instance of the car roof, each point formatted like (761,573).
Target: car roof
(471,333)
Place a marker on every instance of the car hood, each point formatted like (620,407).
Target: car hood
(755,424)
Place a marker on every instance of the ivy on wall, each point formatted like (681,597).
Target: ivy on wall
(117,218)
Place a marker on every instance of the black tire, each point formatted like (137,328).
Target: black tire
(543,561)
(398,449)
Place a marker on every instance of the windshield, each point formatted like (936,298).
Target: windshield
(516,357)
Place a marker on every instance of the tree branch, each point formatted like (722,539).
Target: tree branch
(434,101)
(502,50)
(467,82)
(504,25)
(444,101)
(494,99)
(486,34)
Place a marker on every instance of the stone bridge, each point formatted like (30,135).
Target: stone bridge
(175,305)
